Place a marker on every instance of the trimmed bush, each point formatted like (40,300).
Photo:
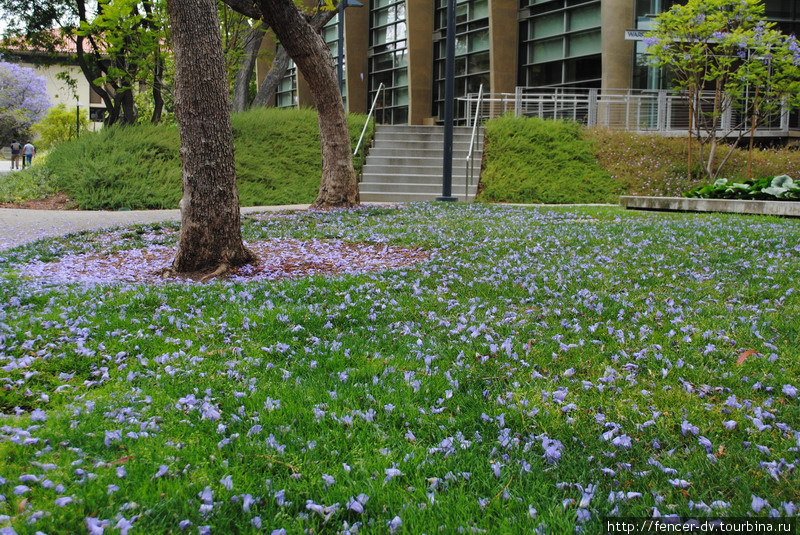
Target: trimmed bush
(531,160)
(278,161)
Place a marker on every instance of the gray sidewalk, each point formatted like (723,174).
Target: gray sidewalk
(19,226)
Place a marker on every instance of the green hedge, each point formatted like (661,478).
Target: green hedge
(278,161)
(531,160)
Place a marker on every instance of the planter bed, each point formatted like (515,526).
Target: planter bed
(732,206)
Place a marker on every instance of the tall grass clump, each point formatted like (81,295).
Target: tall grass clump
(532,160)
(278,161)
(656,165)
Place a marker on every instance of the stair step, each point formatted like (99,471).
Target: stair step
(415,153)
(414,174)
(406,161)
(407,197)
(399,187)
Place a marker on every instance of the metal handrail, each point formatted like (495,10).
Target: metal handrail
(470,163)
(369,116)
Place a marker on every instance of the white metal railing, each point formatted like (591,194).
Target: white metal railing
(369,116)
(664,112)
(470,160)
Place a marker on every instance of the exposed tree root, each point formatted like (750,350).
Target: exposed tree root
(167,272)
(221,270)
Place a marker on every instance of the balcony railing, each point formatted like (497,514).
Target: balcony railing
(663,112)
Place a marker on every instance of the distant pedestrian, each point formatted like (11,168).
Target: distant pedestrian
(28,151)
(16,148)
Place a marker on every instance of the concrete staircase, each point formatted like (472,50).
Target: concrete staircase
(405,164)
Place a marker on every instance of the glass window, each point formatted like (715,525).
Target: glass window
(583,18)
(583,44)
(548,50)
(479,41)
(548,25)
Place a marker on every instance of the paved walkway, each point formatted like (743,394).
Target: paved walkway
(22,226)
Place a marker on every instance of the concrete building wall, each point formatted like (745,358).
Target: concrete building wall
(419,21)
(356,39)
(617,53)
(504,47)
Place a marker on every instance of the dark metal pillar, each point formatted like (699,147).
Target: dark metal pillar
(449,97)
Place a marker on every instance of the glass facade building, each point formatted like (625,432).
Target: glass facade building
(472,52)
(500,44)
(388,59)
(560,43)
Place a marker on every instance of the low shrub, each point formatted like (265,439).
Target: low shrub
(530,160)
(26,185)
(277,152)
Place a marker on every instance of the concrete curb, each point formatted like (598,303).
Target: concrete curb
(730,206)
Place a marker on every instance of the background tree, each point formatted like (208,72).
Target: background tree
(23,101)
(300,36)
(716,51)
(210,237)
(58,126)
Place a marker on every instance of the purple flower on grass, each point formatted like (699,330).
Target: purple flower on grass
(757,504)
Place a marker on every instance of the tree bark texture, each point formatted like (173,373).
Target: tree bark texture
(210,221)
(269,86)
(338,187)
(241,84)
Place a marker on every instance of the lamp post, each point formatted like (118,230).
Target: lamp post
(449,90)
(340,67)
(77,119)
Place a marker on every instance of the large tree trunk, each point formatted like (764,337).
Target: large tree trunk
(307,48)
(241,84)
(269,87)
(210,223)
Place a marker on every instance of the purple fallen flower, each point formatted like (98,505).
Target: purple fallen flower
(21,489)
(279,531)
(729,424)
(757,504)
(61,502)
(679,483)
(391,473)
(162,471)
(686,427)
(227,482)
(622,442)
(394,524)
(38,415)
(95,526)
(123,525)
(789,390)
(184,524)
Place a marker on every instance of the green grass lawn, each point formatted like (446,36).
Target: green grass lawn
(545,368)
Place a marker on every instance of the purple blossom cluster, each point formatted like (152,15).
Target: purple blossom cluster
(23,96)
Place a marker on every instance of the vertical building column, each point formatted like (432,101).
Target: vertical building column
(356,47)
(503,45)
(419,24)
(617,53)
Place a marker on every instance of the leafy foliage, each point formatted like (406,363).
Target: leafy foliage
(277,162)
(781,188)
(23,101)
(725,55)
(59,125)
(533,160)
